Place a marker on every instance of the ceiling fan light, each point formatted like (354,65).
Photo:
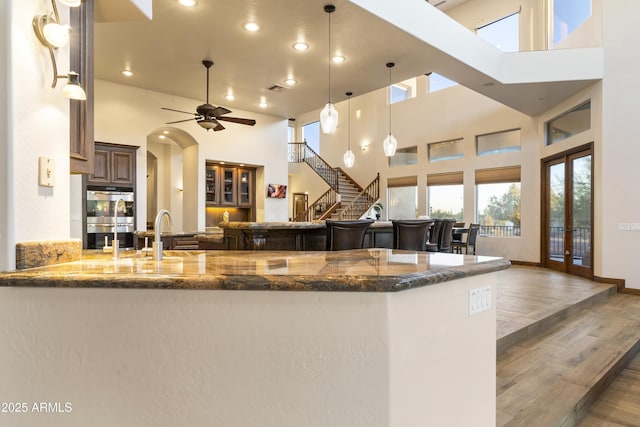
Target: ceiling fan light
(349,158)
(329,118)
(208,123)
(389,145)
(56,35)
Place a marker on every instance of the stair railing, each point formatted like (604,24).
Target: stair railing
(363,201)
(301,152)
(321,208)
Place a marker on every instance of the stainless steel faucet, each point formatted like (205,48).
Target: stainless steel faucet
(157,242)
(115,244)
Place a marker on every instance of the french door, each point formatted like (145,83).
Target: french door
(567,212)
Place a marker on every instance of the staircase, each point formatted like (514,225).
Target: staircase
(552,368)
(345,198)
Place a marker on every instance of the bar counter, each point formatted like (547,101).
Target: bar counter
(368,337)
(362,270)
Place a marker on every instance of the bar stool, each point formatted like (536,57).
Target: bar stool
(343,235)
(434,236)
(411,234)
(447,235)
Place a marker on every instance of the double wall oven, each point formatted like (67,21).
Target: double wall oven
(106,207)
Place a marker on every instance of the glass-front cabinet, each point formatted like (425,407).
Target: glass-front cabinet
(228,187)
(211,185)
(245,187)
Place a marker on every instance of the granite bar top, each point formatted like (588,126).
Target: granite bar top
(358,270)
(289,225)
(151,233)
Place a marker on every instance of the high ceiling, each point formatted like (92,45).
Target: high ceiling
(166,53)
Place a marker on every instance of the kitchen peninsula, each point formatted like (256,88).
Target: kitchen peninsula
(374,337)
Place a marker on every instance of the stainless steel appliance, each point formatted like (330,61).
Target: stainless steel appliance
(103,210)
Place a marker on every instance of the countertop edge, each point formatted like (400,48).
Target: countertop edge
(45,277)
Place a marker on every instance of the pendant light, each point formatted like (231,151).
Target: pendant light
(390,143)
(349,158)
(329,114)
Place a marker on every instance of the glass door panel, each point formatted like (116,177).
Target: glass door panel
(567,221)
(581,211)
(556,213)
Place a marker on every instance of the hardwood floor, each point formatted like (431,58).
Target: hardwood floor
(564,340)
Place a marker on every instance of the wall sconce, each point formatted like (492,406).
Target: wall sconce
(53,35)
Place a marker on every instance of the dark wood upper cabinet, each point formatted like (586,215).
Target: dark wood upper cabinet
(81,112)
(114,165)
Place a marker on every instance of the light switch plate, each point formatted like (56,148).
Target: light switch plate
(479,300)
(46,172)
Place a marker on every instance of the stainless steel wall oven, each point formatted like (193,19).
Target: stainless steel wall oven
(104,209)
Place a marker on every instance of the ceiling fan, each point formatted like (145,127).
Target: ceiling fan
(207,115)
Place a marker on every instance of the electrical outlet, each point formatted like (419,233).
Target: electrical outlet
(479,300)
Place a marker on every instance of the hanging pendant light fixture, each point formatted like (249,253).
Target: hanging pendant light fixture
(349,158)
(390,143)
(329,114)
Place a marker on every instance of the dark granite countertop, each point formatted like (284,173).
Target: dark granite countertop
(289,225)
(360,270)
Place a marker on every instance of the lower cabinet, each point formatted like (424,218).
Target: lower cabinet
(169,242)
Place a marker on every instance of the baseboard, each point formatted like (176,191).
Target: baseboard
(525,263)
(620,283)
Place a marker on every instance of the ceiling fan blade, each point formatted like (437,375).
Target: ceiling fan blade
(181,121)
(219,111)
(249,122)
(178,111)
(219,127)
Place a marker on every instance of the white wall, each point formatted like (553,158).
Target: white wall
(620,149)
(36,124)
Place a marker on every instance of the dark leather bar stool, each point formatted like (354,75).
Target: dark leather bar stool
(447,235)
(411,234)
(434,236)
(342,235)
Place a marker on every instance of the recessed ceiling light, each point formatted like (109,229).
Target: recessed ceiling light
(127,73)
(166,132)
(338,59)
(263,103)
(162,137)
(230,97)
(251,26)
(187,3)
(290,81)
(301,46)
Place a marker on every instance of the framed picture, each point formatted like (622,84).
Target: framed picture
(278,191)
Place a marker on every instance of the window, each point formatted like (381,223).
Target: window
(498,142)
(404,157)
(569,124)
(498,201)
(311,134)
(402,91)
(438,82)
(503,33)
(445,195)
(567,16)
(402,198)
(444,150)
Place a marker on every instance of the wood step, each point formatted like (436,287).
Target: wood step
(552,377)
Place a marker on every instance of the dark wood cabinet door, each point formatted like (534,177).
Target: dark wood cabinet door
(101,167)
(122,170)
(212,196)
